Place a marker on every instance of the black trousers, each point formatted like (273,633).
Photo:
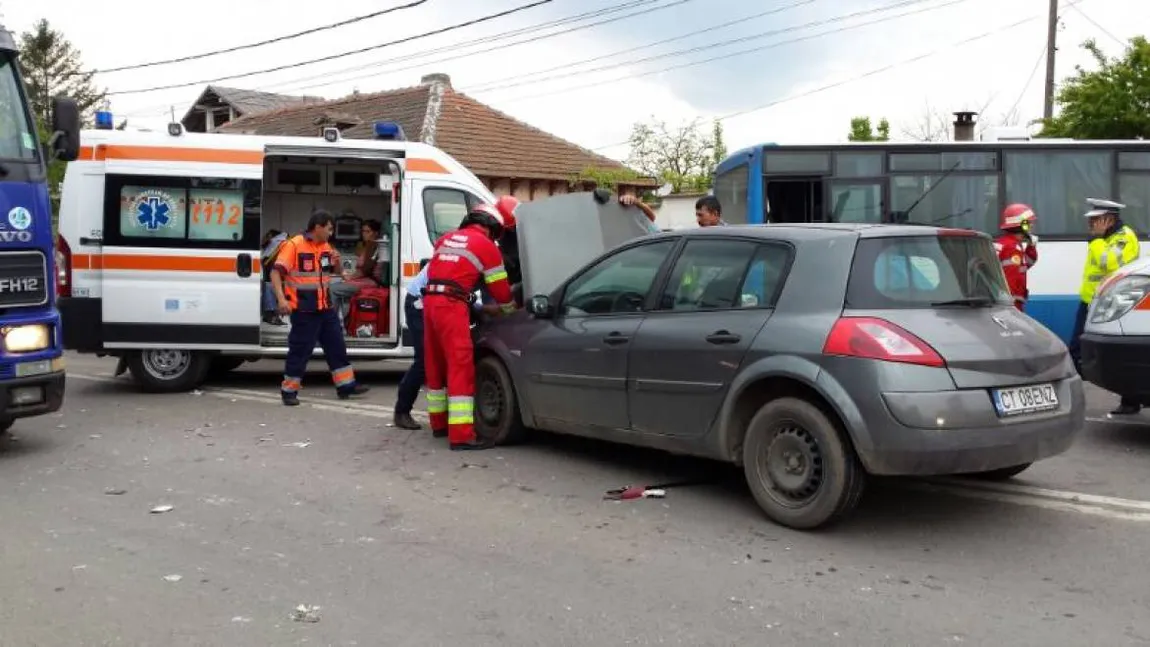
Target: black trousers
(414,377)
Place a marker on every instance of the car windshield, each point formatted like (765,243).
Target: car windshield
(17,141)
(926,271)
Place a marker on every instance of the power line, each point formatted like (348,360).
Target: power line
(741,52)
(490,49)
(724,43)
(292,84)
(859,77)
(277,39)
(1029,80)
(793,5)
(1100,27)
(361,50)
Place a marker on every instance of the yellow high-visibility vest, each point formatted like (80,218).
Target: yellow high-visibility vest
(1104,256)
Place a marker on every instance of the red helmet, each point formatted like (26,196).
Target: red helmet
(507,206)
(1016,216)
(486,216)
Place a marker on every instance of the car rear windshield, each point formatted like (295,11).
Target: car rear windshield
(925,271)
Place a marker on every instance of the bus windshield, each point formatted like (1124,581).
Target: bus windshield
(17,137)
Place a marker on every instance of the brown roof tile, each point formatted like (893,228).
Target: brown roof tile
(485,140)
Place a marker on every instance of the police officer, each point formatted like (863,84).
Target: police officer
(1112,245)
(301,275)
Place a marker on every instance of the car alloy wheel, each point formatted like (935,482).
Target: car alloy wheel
(794,465)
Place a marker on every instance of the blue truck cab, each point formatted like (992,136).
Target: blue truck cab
(31,352)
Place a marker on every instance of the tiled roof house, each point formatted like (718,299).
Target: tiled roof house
(510,156)
(218,105)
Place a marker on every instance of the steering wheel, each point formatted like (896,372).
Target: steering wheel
(627,302)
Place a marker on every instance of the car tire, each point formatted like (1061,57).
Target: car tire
(800,469)
(166,370)
(1001,474)
(496,404)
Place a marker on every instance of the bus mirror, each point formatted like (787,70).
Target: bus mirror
(65,142)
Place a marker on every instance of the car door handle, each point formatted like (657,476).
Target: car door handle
(723,337)
(616,338)
(244,265)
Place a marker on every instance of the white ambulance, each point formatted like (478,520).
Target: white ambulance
(160,239)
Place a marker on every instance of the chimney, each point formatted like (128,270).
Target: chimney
(428,79)
(964,126)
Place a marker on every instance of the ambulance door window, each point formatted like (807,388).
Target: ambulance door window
(444,209)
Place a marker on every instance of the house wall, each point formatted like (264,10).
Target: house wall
(677,212)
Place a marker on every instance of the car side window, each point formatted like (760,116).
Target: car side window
(619,283)
(765,276)
(444,209)
(708,275)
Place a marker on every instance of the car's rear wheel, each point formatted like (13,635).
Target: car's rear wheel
(1001,474)
(168,370)
(496,405)
(800,469)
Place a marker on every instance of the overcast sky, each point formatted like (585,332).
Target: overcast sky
(598,108)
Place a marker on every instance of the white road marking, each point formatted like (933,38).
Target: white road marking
(1129,421)
(1015,493)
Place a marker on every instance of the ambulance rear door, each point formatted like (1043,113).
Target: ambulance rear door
(180,261)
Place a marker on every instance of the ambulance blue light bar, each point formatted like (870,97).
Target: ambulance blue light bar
(389,130)
(104,120)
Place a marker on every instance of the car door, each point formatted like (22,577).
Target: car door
(577,365)
(181,260)
(717,298)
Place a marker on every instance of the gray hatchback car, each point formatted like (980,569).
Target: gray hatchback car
(811,355)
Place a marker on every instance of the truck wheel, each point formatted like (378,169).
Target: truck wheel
(165,370)
(496,405)
(1001,474)
(800,469)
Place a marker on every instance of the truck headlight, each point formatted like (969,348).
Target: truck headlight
(1119,298)
(25,339)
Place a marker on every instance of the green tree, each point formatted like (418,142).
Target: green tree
(861,130)
(1110,102)
(683,156)
(51,66)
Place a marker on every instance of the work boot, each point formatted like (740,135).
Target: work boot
(405,421)
(439,433)
(290,399)
(474,445)
(355,389)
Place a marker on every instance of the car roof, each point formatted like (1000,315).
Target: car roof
(822,230)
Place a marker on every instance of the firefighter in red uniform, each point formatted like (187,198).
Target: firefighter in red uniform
(1017,249)
(462,260)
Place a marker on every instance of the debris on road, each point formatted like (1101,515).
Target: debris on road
(628,492)
(299,445)
(305,613)
(241,619)
(115,491)
(173,577)
(161,509)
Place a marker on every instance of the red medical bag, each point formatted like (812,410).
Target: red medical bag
(368,316)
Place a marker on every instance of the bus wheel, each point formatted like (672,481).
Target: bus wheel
(167,370)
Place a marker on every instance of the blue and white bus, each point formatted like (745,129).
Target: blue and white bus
(31,362)
(958,184)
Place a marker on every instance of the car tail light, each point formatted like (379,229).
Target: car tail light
(63,268)
(874,338)
(1116,298)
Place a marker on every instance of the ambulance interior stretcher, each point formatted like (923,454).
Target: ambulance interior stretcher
(353,191)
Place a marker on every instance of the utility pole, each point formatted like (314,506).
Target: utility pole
(1051,49)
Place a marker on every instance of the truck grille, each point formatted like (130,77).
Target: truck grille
(23,279)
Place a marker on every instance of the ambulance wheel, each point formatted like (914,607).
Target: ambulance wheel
(168,370)
(496,405)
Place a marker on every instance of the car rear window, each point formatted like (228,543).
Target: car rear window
(925,271)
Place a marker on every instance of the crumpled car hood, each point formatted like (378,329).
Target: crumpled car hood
(560,234)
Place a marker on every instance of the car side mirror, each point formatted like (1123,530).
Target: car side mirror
(65,141)
(540,306)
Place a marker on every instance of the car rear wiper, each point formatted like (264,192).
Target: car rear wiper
(974,302)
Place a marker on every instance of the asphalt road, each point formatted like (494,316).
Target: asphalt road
(400,542)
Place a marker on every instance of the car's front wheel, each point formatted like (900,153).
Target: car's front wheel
(496,405)
(167,370)
(799,467)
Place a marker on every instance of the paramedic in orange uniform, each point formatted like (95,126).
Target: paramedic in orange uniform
(463,260)
(1017,249)
(301,275)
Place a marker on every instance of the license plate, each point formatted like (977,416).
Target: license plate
(1025,399)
